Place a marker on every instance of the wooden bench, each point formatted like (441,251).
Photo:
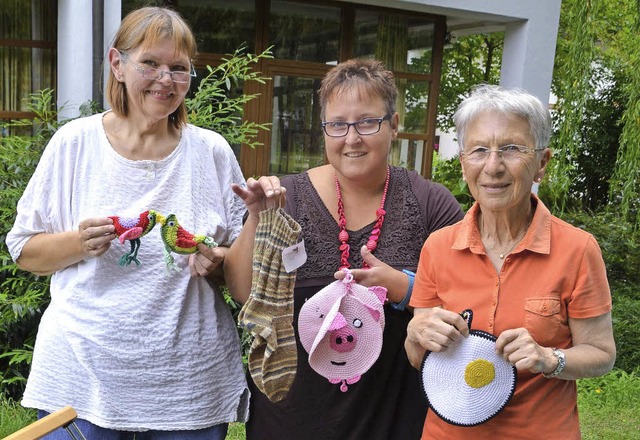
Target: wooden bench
(63,418)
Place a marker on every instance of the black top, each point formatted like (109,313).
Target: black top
(387,402)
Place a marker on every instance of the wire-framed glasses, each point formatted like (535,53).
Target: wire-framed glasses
(364,126)
(177,76)
(511,152)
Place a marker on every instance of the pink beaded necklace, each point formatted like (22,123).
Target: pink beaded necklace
(343,236)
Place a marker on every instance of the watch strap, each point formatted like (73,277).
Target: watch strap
(561,364)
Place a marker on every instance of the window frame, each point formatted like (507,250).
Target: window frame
(31,44)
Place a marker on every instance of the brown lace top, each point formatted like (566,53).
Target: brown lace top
(415,207)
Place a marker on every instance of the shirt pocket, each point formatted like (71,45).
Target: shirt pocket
(544,320)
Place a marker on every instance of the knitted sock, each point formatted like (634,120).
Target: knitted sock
(268,313)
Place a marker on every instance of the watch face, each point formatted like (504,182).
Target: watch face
(561,361)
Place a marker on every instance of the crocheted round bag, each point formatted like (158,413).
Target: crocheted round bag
(341,328)
(468,384)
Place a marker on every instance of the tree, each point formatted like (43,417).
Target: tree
(599,132)
(469,61)
(597,81)
(621,40)
(572,85)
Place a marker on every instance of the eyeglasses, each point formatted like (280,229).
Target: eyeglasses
(511,152)
(364,126)
(177,76)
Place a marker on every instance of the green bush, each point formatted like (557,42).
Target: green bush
(218,103)
(448,172)
(23,296)
(618,239)
(620,245)
(613,390)
(626,307)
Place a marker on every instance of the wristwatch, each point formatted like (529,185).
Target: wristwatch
(561,364)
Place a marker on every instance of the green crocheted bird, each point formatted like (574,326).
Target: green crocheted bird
(179,240)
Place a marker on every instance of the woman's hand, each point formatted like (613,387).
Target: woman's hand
(208,261)
(261,194)
(433,329)
(95,235)
(379,274)
(518,347)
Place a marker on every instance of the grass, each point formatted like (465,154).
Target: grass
(608,409)
(608,406)
(236,432)
(13,417)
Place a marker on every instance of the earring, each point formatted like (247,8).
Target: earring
(538,180)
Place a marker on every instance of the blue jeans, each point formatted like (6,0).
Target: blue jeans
(93,432)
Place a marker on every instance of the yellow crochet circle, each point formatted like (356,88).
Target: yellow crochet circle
(479,373)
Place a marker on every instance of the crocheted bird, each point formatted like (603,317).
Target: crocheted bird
(132,229)
(179,240)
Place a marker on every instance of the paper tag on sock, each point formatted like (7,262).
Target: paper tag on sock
(294,256)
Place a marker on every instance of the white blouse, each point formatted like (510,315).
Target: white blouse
(132,348)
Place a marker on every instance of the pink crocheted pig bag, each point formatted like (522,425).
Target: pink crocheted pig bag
(341,328)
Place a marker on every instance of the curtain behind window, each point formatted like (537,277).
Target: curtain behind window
(27,50)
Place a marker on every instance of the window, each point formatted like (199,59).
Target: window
(308,39)
(296,137)
(304,32)
(27,53)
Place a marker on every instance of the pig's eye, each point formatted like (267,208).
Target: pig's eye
(357,323)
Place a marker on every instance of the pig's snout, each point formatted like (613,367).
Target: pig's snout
(342,337)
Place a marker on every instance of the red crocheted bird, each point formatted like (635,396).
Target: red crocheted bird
(179,240)
(132,229)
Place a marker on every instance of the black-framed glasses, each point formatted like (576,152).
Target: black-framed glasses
(177,76)
(480,154)
(364,126)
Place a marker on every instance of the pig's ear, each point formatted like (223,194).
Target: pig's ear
(338,322)
(375,313)
(380,292)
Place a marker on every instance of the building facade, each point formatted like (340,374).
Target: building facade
(61,44)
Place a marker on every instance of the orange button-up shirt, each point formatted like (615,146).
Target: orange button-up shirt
(554,273)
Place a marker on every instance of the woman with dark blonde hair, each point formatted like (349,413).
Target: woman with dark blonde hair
(358,212)
(136,352)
